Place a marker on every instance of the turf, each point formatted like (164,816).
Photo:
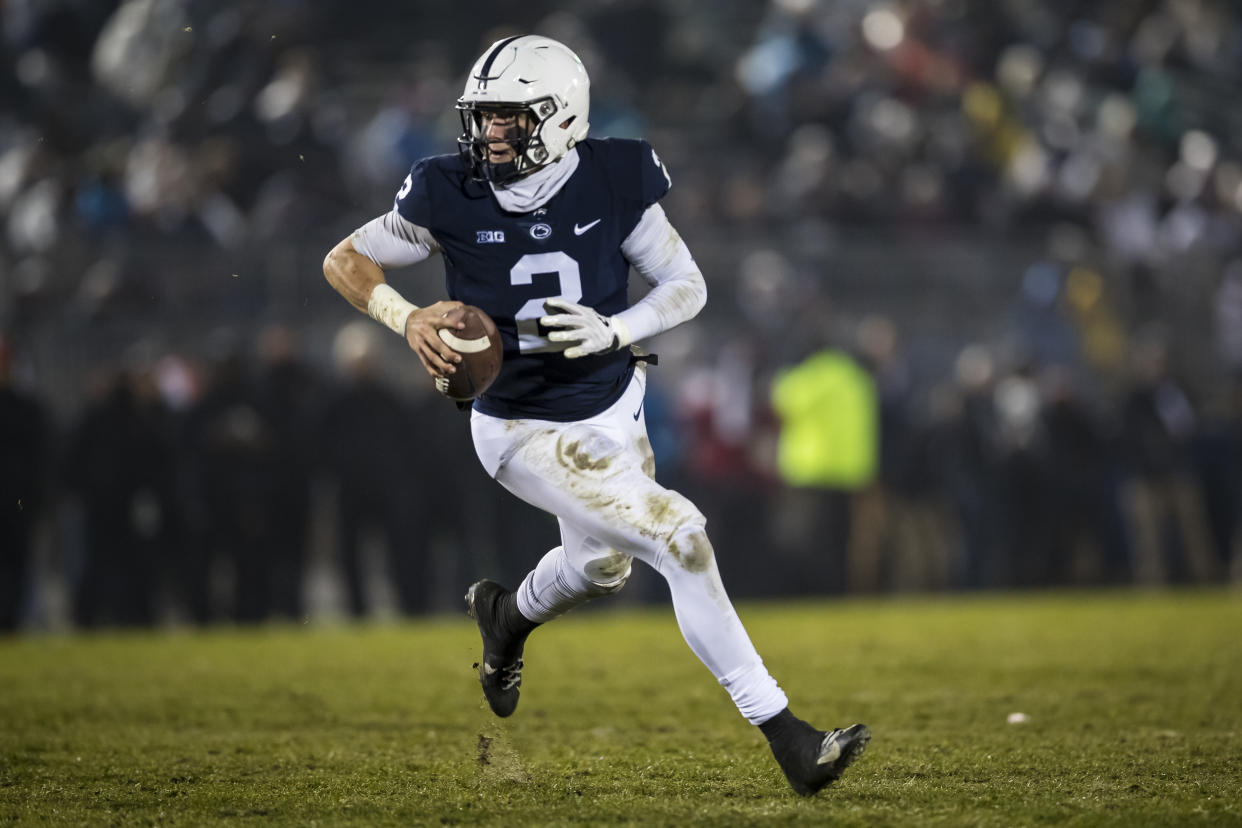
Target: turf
(1134,704)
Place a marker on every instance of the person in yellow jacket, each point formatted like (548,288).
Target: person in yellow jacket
(829,423)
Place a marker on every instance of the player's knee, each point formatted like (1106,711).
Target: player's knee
(691,549)
(584,450)
(607,575)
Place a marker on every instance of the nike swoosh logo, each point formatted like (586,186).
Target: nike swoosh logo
(578,231)
(487,668)
(639,411)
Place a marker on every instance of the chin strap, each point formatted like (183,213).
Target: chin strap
(498,174)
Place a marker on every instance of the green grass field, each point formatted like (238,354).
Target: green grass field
(1134,704)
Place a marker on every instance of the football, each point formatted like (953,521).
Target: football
(481,351)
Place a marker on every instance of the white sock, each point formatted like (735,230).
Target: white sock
(757,695)
(553,588)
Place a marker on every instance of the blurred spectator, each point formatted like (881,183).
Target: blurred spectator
(1023,477)
(1164,505)
(1217,458)
(829,445)
(1086,545)
(899,537)
(233,454)
(386,474)
(967,452)
(288,395)
(725,424)
(1229,317)
(1233,509)
(119,463)
(25,446)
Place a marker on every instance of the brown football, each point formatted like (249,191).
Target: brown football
(481,352)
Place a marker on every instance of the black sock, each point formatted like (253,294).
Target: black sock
(781,724)
(511,616)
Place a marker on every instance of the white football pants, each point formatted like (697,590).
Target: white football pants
(597,476)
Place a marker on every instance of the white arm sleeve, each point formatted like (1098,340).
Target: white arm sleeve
(391,241)
(678,291)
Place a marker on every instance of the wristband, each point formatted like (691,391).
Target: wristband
(388,307)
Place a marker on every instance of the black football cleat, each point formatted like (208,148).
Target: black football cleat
(812,759)
(500,670)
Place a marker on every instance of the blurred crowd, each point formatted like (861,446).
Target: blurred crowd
(188,490)
(1019,220)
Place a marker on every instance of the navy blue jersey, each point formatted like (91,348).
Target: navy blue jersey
(509,263)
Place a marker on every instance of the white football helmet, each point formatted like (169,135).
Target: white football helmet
(527,74)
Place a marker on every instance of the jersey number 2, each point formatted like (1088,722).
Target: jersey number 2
(569,286)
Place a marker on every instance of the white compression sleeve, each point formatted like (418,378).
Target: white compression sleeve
(391,241)
(678,291)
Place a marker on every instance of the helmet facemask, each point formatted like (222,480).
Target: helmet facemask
(544,87)
(524,137)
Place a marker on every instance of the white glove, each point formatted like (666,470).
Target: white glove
(594,332)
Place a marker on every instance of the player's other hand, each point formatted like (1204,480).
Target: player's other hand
(422,332)
(593,332)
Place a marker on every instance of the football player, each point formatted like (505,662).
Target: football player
(538,225)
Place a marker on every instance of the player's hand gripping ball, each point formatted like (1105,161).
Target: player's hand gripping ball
(481,353)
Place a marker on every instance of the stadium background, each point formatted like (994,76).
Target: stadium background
(1015,224)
